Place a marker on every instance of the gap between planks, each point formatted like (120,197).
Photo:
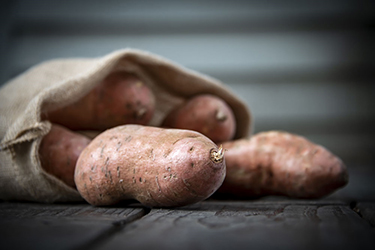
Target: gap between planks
(117,226)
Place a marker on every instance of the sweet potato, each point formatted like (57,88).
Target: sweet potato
(59,151)
(158,167)
(280,163)
(121,98)
(207,114)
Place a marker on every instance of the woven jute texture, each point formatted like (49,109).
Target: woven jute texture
(57,83)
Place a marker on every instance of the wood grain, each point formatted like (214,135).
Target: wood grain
(52,226)
(367,211)
(249,225)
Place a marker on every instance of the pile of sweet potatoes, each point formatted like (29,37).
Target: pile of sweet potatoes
(191,155)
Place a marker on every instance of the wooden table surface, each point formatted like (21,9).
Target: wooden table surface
(343,220)
(300,66)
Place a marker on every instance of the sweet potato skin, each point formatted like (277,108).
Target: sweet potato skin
(59,151)
(121,98)
(280,163)
(207,114)
(158,167)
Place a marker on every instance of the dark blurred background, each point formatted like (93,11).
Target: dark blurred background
(306,67)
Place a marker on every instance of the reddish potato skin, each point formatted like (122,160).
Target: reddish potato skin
(121,98)
(59,151)
(279,163)
(207,114)
(158,167)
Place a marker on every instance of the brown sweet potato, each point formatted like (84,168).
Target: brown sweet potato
(207,114)
(158,167)
(59,151)
(279,163)
(121,98)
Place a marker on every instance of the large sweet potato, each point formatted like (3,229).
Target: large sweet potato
(280,163)
(121,98)
(158,167)
(207,114)
(59,151)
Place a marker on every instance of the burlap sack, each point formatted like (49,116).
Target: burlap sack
(57,83)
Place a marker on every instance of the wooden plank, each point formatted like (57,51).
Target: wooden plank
(204,52)
(52,226)
(146,25)
(317,101)
(202,13)
(367,211)
(249,225)
(5,27)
